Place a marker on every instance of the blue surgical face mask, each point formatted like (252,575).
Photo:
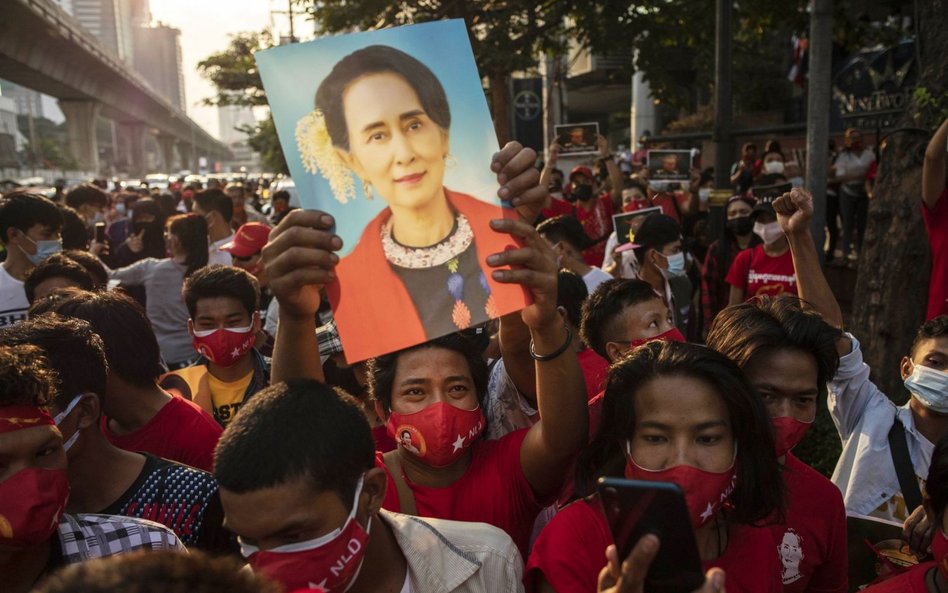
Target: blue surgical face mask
(796,181)
(676,263)
(930,387)
(44,249)
(120,208)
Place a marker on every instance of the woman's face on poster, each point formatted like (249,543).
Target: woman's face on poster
(393,143)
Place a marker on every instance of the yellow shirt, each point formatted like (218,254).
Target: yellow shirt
(220,398)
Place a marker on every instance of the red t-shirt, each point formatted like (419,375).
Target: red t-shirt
(757,274)
(383,441)
(571,551)
(493,490)
(812,543)
(595,414)
(595,368)
(597,222)
(557,207)
(671,204)
(911,581)
(936,223)
(181,431)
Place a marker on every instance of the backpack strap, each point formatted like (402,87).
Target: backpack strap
(904,468)
(406,498)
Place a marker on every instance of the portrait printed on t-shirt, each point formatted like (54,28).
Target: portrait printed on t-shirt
(389,132)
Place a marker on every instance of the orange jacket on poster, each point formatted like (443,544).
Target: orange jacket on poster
(373,309)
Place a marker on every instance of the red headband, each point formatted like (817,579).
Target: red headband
(13,418)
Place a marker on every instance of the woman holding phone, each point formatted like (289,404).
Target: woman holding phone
(678,413)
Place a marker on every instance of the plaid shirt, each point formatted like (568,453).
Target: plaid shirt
(86,536)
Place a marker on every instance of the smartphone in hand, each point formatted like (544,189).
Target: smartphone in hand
(636,508)
(100,232)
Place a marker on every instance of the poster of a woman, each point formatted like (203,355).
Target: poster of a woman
(396,143)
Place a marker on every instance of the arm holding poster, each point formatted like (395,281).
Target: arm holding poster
(300,260)
(393,142)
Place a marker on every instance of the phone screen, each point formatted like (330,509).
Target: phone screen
(634,509)
(100,232)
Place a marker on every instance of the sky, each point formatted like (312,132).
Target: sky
(206,27)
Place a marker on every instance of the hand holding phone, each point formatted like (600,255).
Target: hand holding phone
(628,577)
(651,518)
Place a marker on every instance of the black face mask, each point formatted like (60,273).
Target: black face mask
(741,225)
(151,228)
(582,192)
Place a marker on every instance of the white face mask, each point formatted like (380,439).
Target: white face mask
(704,194)
(62,416)
(773,167)
(770,233)
(929,386)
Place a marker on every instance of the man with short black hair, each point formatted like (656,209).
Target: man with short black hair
(138,415)
(223,302)
(218,210)
(566,236)
(37,537)
(268,462)
(89,202)
(103,478)
(30,227)
(56,272)
(662,263)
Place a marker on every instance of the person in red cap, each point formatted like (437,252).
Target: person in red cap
(592,206)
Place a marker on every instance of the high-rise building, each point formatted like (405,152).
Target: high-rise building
(25,101)
(110,22)
(230,118)
(158,60)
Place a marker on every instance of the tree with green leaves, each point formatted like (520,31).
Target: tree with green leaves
(234,73)
(506,36)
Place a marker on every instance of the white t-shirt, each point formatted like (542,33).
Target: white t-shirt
(216,256)
(13,303)
(594,278)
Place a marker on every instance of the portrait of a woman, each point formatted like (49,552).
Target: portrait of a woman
(382,120)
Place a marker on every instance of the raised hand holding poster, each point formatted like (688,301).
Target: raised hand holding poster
(389,132)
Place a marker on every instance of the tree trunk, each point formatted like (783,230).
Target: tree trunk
(892,287)
(500,104)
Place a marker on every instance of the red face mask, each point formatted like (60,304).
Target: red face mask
(788,432)
(32,501)
(672,335)
(437,435)
(705,492)
(329,563)
(940,551)
(226,345)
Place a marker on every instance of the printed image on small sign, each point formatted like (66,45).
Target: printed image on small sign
(769,193)
(389,132)
(577,139)
(876,550)
(669,165)
(627,223)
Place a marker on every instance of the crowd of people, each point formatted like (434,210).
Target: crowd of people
(175,401)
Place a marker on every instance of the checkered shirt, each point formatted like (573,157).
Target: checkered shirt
(86,536)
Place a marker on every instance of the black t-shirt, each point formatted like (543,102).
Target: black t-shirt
(435,290)
(180,497)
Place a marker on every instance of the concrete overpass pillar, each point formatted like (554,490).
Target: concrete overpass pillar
(166,147)
(80,126)
(186,152)
(134,133)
